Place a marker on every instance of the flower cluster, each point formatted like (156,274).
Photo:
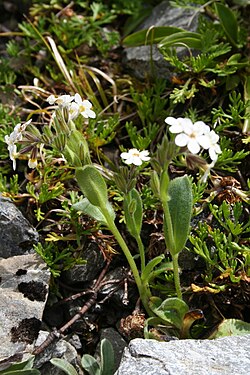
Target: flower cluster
(194,136)
(134,156)
(74,104)
(15,137)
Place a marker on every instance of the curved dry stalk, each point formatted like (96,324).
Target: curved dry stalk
(59,60)
(56,334)
(91,70)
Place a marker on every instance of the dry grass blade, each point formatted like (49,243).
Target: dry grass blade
(60,63)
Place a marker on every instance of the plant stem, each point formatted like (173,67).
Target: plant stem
(143,289)
(141,252)
(168,221)
(171,248)
(176,275)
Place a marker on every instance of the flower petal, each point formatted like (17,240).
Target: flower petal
(212,154)
(193,146)
(204,141)
(125,155)
(181,140)
(137,160)
(171,121)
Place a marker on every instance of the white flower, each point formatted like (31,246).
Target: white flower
(134,156)
(73,110)
(209,142)
(16,135)
(62,101)
(13,138)
(51,99)
(178,124)
(188,134)
(32,163)
(190,137)
(84,107)
(13,154)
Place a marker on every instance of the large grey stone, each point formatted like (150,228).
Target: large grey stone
(223,356)
(138,59)
(24,288)
(17,236)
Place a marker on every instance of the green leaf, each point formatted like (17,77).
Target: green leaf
(89,209)
(22,368)
(107,358)
(183,38)
(152,321)
(228,22)
(93,185)
(133,212)
(21,372)
(171,310)
(180,207)
(150,266)
(231,327)
(149,36)
(64,365)
(90,364)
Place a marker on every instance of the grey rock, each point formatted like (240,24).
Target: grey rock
(86,272)
(117,342)
(17,236)
(61,349)
(23,289)
(223,356)
(138,59)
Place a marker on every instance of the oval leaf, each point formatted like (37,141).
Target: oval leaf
(231,327)
(228,22)
(22,372)
(107,358)
(93,185)
(64,365)
(150,36)
(89,209)
(180,207)
(171,310)
(90,364)
(188,38)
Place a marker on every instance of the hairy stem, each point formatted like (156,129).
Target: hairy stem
(142,288)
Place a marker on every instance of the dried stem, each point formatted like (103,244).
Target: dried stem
(56,334)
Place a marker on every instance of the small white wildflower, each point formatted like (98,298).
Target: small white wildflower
(13,138)
(32,163)
(84,107)
(177,125)
(191,136)
(73,110)
(188,134)
(51,99)
(209,142)
(134,156)
(62,100)
(13,154)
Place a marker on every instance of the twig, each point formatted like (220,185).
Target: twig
(56,334)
